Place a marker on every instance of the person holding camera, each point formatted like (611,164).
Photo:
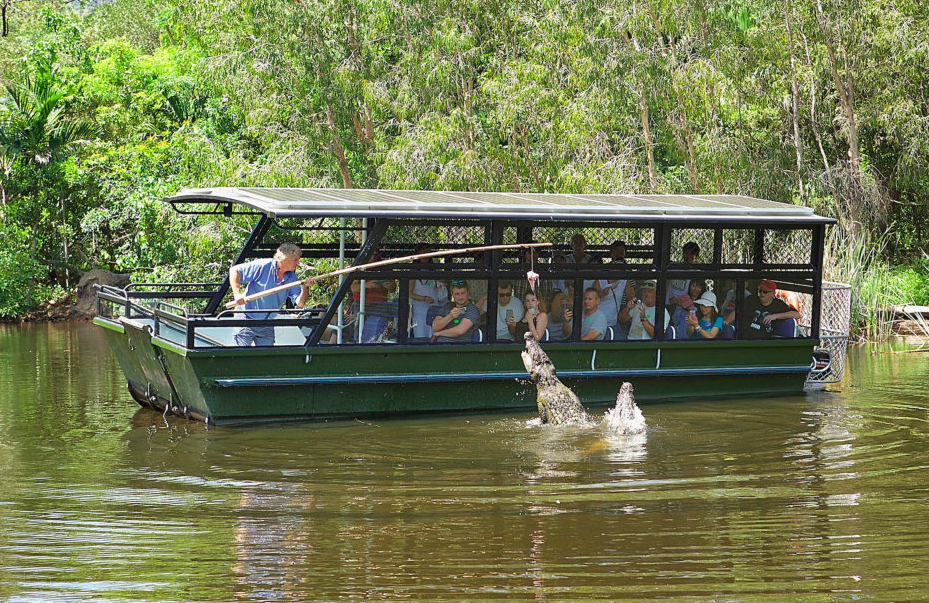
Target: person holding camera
(509,312)
(594,325)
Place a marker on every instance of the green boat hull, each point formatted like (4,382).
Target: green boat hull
(226,386)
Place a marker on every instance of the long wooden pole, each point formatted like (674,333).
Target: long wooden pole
(408,258)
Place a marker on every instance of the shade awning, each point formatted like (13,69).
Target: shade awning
(321,202)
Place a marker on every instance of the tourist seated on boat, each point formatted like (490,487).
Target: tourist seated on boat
(376,290)
(459,317)
(425,292)
(377,311)
(561,301)
(579,253)
(509,311)
(535,318)
(641,313)
(705,322)
(263,274)
(676,294)
(728,307)
(762,313)
(613,291)
(593,327)
(696,290)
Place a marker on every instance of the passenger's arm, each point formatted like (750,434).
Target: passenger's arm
(235,283)
(705,333)
(482,303)
(304,294)
(782,316)
(624,314)
(417,297)
(541,323)
(463,326)
(590,335)
(440,322)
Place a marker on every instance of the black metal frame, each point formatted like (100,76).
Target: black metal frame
(805,278)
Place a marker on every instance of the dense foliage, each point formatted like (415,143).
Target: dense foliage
(818,102)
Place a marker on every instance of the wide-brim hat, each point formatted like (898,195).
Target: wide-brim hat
(707,299)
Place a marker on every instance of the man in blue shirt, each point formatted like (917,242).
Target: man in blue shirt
(266,274)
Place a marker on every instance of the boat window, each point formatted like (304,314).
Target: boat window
(636,244)
(787,246)
(738,245)
(691,246)
(405,238)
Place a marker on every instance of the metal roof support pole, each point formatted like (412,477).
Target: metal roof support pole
(340,320)
(577,309)
(758,249)
(817,254)
(662,258)
(403,310)
(258,233)
(364,255)
(496,237)
(360,319)
(739,306)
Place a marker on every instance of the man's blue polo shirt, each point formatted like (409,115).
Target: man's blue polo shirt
(260,276)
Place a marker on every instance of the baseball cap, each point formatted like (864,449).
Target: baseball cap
(767,285)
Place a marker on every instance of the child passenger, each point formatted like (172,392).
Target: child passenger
(705,323)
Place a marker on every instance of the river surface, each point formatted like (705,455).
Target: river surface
(819,497)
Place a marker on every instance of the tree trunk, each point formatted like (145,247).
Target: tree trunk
(643,116)
(649,145)
(813,126)
(685,143)
(845,90)
(795,107)
(337,149)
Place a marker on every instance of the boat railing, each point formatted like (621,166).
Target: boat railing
(172,312)
(835,321)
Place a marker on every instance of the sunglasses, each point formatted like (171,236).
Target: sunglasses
(458,282)
(765,291)
(505,294)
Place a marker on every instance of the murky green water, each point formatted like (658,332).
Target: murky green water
(820,497)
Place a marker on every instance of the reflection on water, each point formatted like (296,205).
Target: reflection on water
(809,498)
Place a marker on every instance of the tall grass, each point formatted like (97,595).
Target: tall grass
(852,256)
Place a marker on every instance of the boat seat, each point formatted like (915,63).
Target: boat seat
(670,333)
(787,328)
(615,333)
(728,332)
(477,335)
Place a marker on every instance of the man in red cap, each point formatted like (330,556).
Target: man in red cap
(763,312)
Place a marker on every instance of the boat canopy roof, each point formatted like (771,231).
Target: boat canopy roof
(323,202)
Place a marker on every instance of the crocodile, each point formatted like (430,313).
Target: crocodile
(557,404)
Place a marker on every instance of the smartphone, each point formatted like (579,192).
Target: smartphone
(509,314)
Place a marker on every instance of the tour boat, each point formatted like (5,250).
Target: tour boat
(355,357)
